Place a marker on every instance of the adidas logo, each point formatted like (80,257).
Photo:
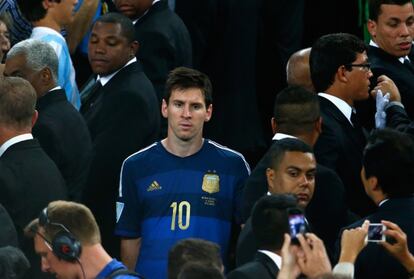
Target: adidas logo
(154,186)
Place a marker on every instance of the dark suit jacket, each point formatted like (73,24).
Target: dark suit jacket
(374,261)
(164,44)
(8,234)
(124,119)
(340,148)
(63,134)
(262,267)
(29,180)
(383,63)
(327,210)
(398,119)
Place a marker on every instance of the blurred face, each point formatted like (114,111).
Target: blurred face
(108,49)
(50,263)
(16,67)
(394,29)
(294,175)
(133,8)
(4,38)
(63,11)
(186,112)
(358,78)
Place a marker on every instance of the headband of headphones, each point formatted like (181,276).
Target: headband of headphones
(64,244)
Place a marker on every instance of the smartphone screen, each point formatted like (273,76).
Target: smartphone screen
(376,232)
(297,223)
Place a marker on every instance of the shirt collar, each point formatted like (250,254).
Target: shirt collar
(275,257)
(382,202)
(135,20)
(280,136)
(105,79)
(14,140)
(401,59)
(340,104)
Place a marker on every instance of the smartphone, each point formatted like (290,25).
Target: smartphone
(297,224)
(376,233)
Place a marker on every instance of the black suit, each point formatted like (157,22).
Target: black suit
(262,267)
(340,148)
(29,180)
(8,234)
(63,134)
(383,63)
(326,211)
(123,117)
(374,261)
(398,119)
(164,44)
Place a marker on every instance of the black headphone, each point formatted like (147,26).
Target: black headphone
(64,244)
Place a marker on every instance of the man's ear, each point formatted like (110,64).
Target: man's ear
(34,117)
(372,28)
(209,113)
(270,176)
(134,47)
(341,74)
(274,125)
(164,107)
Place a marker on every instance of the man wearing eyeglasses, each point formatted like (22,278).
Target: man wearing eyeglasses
(391,26)
(341,74)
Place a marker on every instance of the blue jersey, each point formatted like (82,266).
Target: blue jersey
(111,267)
(165,198)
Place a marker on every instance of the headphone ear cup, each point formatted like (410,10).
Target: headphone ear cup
(66,247)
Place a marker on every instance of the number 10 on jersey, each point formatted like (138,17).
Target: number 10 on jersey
(184,211)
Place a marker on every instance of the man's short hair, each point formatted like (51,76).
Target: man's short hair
(38,54)
(33,10)
(389,156)
(185,78)
(330,52)
(193,250)
(127,27)
(197,270)
(279,149)
(296,110)
(270,220)
(375,6)
(76,217)
(17,102)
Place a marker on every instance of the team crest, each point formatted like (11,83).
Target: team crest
(211,183)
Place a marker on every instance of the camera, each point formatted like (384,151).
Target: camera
(297,224)
(375,233)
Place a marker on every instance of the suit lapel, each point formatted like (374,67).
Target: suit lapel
(330,110)
(268,263)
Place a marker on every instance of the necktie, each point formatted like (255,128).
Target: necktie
(91,96)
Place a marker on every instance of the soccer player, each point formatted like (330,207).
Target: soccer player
(183,186)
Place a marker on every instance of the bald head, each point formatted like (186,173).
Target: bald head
(298,71)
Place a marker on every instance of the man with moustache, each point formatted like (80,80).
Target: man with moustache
(391,25)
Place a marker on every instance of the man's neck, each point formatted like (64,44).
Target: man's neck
(47,22)
(182,148)
(93,259)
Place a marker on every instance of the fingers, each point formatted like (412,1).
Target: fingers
(391,225)
(365,225)
(304,244)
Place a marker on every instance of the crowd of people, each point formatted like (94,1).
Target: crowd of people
(196,139)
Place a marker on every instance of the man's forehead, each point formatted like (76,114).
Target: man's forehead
(396,11)
(297,158)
